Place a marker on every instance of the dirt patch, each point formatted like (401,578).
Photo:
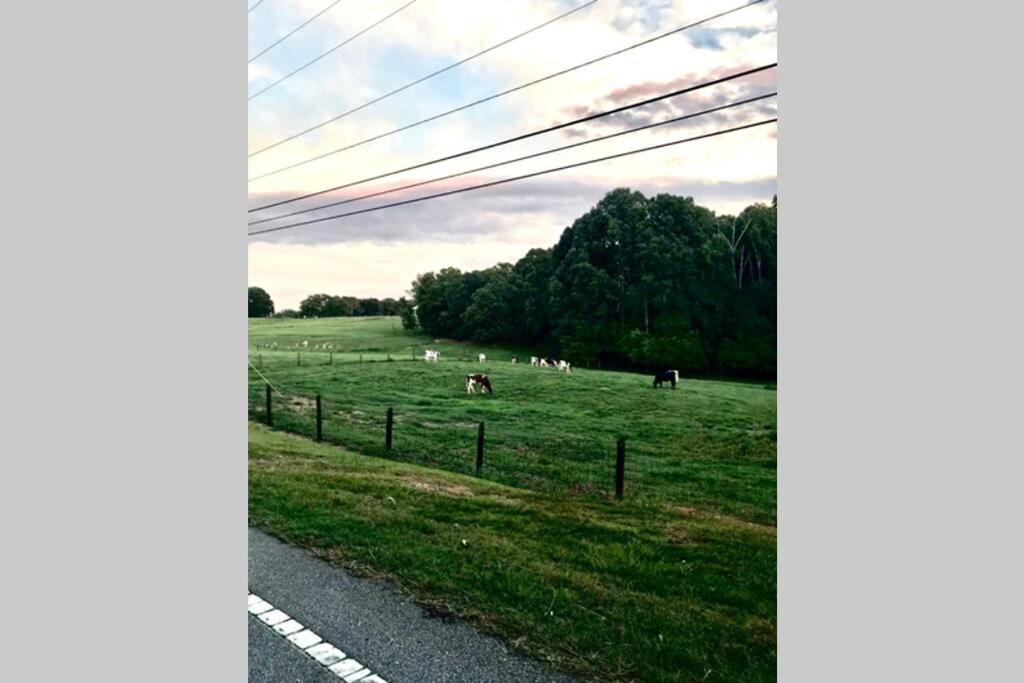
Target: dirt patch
(677,536)
(301,403)
(694,512)
(433,486)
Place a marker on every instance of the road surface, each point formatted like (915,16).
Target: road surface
(369,621)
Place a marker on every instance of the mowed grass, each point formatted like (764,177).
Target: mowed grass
(638,590)
(708,445)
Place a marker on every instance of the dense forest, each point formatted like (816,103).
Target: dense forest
(642,282)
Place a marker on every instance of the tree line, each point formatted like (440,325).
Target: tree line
(325,306)
(642,282)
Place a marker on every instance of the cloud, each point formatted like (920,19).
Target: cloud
(531,213)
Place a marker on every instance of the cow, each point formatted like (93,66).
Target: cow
(514,360)
(474,379)
(666,376)
(548,363)
(305,344)
(431,356)
(483,358)
(534,361)
(565,367)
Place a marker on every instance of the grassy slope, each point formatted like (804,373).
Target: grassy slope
(611,591)
(708,444)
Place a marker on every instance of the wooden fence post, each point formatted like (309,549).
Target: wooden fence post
(360,358)
(387,433)
(330,357)
(270,413)
(479,448)
(298,359)
(319,420)
(260,358)
(620,467)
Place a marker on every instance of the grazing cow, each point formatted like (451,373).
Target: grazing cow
(563,366)
(534,360)
(483,358)
(548,363)
(472,380)
(514,360)
(305,344)
(671,376)
(431,356)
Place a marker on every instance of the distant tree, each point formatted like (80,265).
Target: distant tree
(367,307)
(287,313)
(408,315)
(389,306)
(260,303)
(325,306)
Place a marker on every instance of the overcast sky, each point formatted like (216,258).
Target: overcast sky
(379,254)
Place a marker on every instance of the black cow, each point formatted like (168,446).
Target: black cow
(666,376)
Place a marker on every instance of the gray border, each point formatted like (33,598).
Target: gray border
(124,481)
(899,544)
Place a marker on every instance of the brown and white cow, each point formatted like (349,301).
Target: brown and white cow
(476,379)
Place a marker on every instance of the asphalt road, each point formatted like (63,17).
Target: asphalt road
(370,621)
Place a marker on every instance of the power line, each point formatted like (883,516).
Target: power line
(290,33)
(517,138)
(427,77)
(522,158)
(438,72)
(258,3)
(336,47)
(513,179)
(484,99)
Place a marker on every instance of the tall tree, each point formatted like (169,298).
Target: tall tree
(260,303)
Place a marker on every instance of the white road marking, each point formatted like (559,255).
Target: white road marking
(289,627)
(336,661)
(304,639)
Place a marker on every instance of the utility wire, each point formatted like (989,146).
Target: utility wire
(584,119)
(336,47)
(424,78)
(290,33)
(482,100)
(522,158)
(513,179)
(258,3)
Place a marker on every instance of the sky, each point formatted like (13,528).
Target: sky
(378,254)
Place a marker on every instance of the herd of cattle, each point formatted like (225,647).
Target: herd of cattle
(473,380)
(476,379)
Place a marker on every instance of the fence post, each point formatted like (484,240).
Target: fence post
(330,357)
(387,433)
(620,467)
(389,356)
(270,414)
(479,448)
(298,358)
(260,358)
(319,420)
(360,358)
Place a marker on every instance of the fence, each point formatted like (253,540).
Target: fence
(389,435)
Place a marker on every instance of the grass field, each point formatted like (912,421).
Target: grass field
(675,581)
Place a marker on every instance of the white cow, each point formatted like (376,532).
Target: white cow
(543,362)
(431,356)
(514,360)
(305,344)
(565,367)
(534,361)
(483,358)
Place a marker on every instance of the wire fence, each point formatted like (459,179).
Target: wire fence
(471,443)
